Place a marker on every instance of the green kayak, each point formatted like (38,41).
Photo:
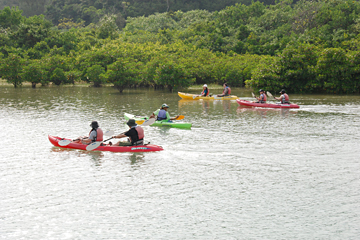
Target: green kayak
(139,120)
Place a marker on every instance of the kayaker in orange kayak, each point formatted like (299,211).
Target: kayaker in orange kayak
(262,97)
(162,114)
(226,92)
(284,98)
(135,135)
(96,134)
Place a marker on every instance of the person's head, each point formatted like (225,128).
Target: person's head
(131,123)
(164,106)
(205,86)
(225,85)
(282,91)
(261,91)
(94,124)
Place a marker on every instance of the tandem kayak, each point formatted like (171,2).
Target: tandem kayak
(266,105)
(173,124)
(138,148)
(190,96)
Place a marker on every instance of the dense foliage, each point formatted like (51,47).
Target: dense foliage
(309,46)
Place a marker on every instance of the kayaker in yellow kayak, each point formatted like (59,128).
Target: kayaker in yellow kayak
(262,97)
(96,134)
(226,92)
(205,91)
(135,135)
(162,114)
(284,98)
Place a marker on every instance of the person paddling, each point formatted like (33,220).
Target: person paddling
(96,134)
(205,91)
(135,134)
(226,92)
(284,98)
(162,114)
(262,97)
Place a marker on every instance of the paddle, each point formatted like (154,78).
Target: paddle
(94,145)
(270,95)
(180,117)
(253,95)
(67,141)
(145,122)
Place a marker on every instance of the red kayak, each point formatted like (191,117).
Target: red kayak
(139,148)
(266,105)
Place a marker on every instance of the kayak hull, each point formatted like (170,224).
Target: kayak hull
(265,105)
(140,120)
(189,96)
(139,148)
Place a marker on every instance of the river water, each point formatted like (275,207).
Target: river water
(239,173)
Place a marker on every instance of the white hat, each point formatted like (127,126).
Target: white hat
(205,85)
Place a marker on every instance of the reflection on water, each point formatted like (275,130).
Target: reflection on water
(249,172)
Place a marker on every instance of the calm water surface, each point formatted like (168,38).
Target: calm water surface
(239,173)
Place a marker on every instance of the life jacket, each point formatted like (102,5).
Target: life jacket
(140,132)
(206,91)
(140,140)
(161,115)
(285,98)
(229,91)
(263,98)
(99,134)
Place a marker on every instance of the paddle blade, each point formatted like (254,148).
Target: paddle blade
(253,95)
(64,142)
(92,146)
(269,94)
(180,117)
(148,122)
(109,133)
(139,122)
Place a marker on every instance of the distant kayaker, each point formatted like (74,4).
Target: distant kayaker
(226,92)
(284,98)
(262,97)
(162,114)
(96,134)
(205,91)
(135,135)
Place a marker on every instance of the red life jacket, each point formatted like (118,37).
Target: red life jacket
(264,97)
(207,92)
(140,132)
(229,90)
(286,97)
(99,134)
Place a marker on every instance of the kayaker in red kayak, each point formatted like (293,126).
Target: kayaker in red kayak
(96,134)
(262,97)
(162,114)
(135,134)
(284,98)
(226,92)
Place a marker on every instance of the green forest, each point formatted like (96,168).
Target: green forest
(302,46)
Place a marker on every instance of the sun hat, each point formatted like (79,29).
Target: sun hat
(131,122)
(205,85)
(282,91)
(164,105)
(261,90)
(94,124)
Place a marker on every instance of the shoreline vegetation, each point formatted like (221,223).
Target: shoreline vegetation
(302,46)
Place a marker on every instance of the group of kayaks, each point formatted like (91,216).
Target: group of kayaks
(244,103)
(57,141)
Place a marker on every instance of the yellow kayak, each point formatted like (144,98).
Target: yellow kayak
(189,96)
